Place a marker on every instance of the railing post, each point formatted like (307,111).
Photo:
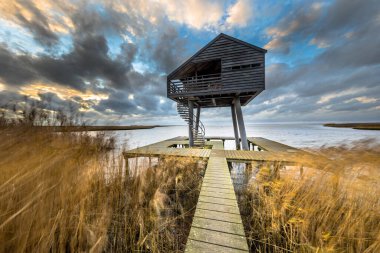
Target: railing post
(191,123)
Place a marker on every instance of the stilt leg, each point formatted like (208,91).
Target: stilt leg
(191,123)
(197,119)
(236,131)
(239,114)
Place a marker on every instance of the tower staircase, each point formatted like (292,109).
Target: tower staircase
(198,131)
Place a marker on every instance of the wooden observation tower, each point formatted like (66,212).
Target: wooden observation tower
(225,72)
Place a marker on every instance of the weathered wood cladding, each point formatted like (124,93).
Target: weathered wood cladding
(233,54)
(241,67)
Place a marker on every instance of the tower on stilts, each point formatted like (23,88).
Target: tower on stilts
(227,72)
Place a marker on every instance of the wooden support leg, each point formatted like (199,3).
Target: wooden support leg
(236,131)
(239,114)
(191,123)
(197,119)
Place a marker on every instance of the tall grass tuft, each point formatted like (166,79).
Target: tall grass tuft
(331,205)
(67,192)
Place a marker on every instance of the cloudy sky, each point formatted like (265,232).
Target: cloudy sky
(109,59)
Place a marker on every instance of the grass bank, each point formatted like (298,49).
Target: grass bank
(96,128)
(359,126)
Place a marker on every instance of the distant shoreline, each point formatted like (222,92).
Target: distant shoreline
(358,126)
(99,128)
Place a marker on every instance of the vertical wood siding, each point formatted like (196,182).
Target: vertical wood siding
(232,55)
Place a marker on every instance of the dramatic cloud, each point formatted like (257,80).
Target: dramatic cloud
(109,59)
(195,13)
(298,24)
(167,50)
(240,13)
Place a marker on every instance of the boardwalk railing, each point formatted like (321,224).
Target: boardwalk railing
(204,83)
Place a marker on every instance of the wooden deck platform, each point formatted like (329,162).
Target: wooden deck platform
(271,151)
(269,145)
(217,224)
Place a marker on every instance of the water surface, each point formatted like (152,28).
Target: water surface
(293,134)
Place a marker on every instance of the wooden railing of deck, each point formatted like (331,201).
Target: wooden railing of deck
(192,84)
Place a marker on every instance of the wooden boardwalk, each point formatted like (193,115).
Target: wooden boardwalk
(217,225)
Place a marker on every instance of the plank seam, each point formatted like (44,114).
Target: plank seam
(216,219)
(216,203)
(217,211)
(214,230)
(216,197)
(208,186)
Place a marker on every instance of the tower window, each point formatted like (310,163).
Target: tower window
(245,66)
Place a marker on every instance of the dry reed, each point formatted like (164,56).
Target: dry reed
(330,205)
(66,192)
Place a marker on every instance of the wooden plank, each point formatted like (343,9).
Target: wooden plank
(216,200)
(218,186)
(221,226)
(217,208)
(220,180)
(217,189)
(221,216)
(209,192)
(218,195)
(219,238)
(194,246)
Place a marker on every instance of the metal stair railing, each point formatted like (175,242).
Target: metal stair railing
(198,134)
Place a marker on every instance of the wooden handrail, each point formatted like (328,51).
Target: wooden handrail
(195,83)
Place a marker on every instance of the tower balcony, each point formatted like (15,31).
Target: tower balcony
(195,85)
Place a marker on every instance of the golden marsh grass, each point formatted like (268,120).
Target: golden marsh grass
(333,206)
(69,192)
(64,192)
